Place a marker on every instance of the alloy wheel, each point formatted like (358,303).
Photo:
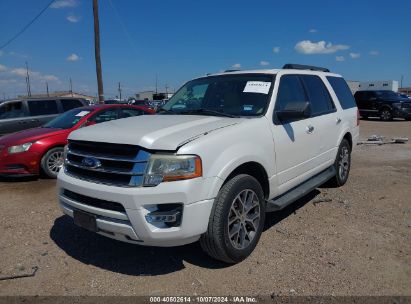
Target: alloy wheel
(55,161)
(244,219)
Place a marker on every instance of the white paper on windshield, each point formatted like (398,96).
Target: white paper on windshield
(82,113)
(257,87)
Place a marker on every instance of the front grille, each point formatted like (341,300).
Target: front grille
(406,105)
(112,164)
(94,202)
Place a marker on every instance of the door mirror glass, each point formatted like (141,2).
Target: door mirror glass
(294,110)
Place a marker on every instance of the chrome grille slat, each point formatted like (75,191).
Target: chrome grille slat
(124,166)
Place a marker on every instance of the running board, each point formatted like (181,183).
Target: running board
(294,194)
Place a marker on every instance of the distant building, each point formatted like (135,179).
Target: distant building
(61,94)
(353,85)
(391,85)
(405,90)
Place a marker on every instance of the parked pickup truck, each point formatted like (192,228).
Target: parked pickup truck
(225,150)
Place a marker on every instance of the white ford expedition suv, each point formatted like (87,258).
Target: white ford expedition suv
(223,151)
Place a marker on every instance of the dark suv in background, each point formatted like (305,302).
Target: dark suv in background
(17,115)
(384,104)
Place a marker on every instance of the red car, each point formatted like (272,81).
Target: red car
(37,150)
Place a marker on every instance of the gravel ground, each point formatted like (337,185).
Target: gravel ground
(354,240)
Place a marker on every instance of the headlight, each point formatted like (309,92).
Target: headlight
(167,168)
(19,148)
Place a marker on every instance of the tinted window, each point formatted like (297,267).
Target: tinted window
(69,104)
(320,100)
(106,115)
(342,91)
(290,93)
(42,107)
(131,112)
(11,110)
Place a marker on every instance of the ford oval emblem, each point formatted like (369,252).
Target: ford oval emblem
(91,162)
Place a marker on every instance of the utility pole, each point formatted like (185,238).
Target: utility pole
(47,89)
(402,77)
(71,87)
(28,81)
(156,83)
(97,52)
(119,90)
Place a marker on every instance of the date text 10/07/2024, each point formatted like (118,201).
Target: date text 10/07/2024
(201,299)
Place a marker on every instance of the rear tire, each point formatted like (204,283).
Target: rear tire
(386,114)
(342,164)
(236,220)
(52,161)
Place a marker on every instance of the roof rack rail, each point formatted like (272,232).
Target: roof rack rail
(304,67)
(227,71)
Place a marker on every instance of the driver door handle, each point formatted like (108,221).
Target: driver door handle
(309,129)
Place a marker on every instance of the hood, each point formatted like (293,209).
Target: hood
(29,135)
(156,132)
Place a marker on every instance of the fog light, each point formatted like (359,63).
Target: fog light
(171,217)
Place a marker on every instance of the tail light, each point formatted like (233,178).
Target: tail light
(358,117)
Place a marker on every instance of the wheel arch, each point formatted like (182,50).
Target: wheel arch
(255,170)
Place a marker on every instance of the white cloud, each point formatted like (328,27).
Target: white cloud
(21,72)
(3,68)
(264,63)
(236,66)
(73,57)
(313,31)
(64,3)
(18,55)
(355,55)
(321,47)
(73,18)
(276,49)
(374,53)
(339,58)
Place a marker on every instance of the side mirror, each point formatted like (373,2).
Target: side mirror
(294,110)
(90,123)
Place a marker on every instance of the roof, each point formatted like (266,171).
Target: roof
(273,72)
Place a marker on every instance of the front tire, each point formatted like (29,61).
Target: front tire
(342,164)
(236,220)
(52,162)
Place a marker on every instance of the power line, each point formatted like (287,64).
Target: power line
(26,27)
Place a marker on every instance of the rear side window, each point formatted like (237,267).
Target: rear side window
(105,115)
(342,91)
(11,110)
(42,107)
(290,92)
(320,100)
(69,104)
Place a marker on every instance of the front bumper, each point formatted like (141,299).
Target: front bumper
(131,225)
(402,113)
(19,164)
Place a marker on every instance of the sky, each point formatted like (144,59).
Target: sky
(178,40)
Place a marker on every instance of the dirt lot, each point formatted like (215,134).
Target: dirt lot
(359,243)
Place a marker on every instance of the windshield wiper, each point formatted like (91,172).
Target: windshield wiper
(207,111)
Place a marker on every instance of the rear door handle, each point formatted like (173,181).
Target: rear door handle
(309,129)
(35,120)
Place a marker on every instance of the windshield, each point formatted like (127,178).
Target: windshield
(228,95)
(68,119)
